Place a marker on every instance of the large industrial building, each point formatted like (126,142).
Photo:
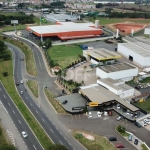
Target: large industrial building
(137,52)
(67,30)
(117,71)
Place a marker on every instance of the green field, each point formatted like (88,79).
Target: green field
(65,54)
(12,13)
(105,21)
(144,105)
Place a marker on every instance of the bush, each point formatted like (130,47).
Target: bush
(121,129)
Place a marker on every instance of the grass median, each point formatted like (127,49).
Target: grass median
(8,82)
(29,57)
(54,103)
(33,86)
(92,141)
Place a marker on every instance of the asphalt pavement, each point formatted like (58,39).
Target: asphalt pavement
(31,141)
(46,122)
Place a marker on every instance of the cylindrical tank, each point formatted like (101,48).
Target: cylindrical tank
(96,24)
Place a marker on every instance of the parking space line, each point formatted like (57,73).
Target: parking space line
(75,116)
(72,117)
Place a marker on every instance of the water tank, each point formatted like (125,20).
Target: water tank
(97,24)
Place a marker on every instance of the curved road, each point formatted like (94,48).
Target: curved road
(57,134)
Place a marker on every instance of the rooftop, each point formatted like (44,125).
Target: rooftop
(101,95)
(138,47)
(102,54)
(63,27)
(116,67)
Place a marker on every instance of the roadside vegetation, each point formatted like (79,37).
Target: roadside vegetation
(92,141)
(145,105)
(144,147)
(53,101)
(4,142)
(122,130)
(29,57)
(63,55)
(33,86)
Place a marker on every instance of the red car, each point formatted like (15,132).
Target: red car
(119,145)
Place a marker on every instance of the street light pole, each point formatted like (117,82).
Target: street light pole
(41,29)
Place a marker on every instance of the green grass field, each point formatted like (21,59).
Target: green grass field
(33,86)
(8,82)
(64,54)
(105,21)
(12,14)
(144,105)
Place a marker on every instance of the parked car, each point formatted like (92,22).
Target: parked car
(110,113)
(24,134)
(90,115)
(130,137)
(98,114)
(112,139)
(118,106)
(136,141)
(119,118)
(119,145)
(65,102)
(137,124)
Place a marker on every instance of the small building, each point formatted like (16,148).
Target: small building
(98,55)
(147,30)
(137,52)
(56,69)
(117,71)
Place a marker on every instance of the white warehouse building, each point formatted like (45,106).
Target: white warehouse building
(124,71)
(137,52)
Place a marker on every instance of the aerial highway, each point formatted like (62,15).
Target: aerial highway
(47,122)
(31,141)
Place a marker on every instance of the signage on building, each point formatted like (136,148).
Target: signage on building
(78,108)
(93,104)
(14,21)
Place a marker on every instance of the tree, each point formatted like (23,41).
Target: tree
(7,147)
(57,147)
(6,56)
(48,43)
(2,47)
(5,74)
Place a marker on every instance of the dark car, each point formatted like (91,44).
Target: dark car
(119,145)
(17,83)
(137,124)
(112,139)
(64,102)
(136,141)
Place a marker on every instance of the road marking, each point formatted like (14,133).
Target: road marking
(0,89)
(60,133)
(8,104)
(4,96)
(36,111)
(39,60)
(51,130)
(43,119)
(31,104)
(26,98)
(34,147)
(19,121)
(60,142)
(13,112)
(64,138)
(69,144)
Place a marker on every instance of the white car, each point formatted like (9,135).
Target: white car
(90,115)
(21,92)
(119,118)
(118,107)
(24,134)
(21,81)
(98,114)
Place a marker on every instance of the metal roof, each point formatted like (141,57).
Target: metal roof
(138,47)
(101,95)
(102,54)
(117,67)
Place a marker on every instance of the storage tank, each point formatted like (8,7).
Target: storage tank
(97,24)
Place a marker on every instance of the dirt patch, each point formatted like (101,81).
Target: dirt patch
(87,136)
(126,27)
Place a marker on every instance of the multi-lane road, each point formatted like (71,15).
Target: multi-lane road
(56,134)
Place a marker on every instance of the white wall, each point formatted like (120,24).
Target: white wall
(117,75)
(127,93)
(94,61)
(147,31)
(144,61)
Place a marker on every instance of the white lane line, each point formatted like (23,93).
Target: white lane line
(13,112)
(39,60)
(73,149)
(26,98)
(69,144)
(60,142)
(34,147)
(0,89)
(60,133)
(19,121)
(64,138)
(4,96)
(43,119)
(36,111)
(51,130)
(31,104)
(8,104)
